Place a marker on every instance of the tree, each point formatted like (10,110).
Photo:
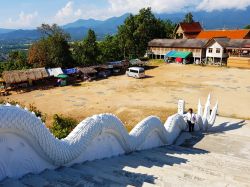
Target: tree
(138,30)
(19,57)
(169,28)
(109,49)
(247,27)
(188,18)
(37,55)
(126,37)
(86,52)
(52,50)
(17,60)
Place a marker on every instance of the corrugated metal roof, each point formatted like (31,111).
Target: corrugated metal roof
(231,43)
(232,34)
(240,43)
(178,43)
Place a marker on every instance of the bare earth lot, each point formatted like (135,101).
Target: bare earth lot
(134,99)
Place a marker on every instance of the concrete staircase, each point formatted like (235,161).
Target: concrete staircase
(203,160)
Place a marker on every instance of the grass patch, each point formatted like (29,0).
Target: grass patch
(131,117)
(156,62)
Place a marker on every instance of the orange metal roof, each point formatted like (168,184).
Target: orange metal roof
(232,34)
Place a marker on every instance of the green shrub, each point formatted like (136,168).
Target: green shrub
(38,112)
(62,126)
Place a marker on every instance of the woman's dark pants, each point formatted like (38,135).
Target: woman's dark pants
(190,126)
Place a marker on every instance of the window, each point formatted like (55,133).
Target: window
(217,50)
(210,50)
(133,71)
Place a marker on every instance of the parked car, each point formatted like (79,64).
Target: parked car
(136,72)
(104,74)
(137,62)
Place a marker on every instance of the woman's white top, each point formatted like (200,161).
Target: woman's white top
(191,117)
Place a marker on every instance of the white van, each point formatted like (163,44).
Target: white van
(136,72)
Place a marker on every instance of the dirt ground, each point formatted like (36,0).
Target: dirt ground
(134,99)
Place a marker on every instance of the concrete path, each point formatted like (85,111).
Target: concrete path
(218,158)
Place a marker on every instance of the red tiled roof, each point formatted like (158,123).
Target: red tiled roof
(232,34)
(191,27)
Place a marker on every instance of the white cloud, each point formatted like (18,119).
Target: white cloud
(159,6)
(78,13)
(118,7)
(23,20)
(67,13)
(72,11)
(210,5)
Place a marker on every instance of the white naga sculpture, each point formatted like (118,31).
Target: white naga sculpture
(27,146)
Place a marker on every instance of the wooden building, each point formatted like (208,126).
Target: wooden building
(239,53)
(234,52)
(187,30)
(216,51)
(158,48)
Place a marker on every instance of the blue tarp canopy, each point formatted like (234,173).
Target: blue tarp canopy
(70,71)
(170,54)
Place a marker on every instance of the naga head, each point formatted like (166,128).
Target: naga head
(208,116)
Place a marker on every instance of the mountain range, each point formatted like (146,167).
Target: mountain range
(227,19)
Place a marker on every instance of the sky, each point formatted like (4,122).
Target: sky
(31,13)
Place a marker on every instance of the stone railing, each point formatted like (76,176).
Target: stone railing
(27,146)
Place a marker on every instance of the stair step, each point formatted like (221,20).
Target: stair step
(34,180)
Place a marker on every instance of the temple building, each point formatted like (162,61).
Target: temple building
(187,30)
(193,44)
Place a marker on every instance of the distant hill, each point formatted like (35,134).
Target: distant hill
(83,23)
(92,23)
(20,36)
(2,31)
(229,19)
(101,28)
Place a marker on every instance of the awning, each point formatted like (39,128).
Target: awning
(170,54)
(54,71)
(180,54)
(70,71)
(62,76)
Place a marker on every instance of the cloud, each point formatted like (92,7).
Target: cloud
(159,6)
(118,7)
(210,5)
(67,13)
(23,20)
(172,6)
(74,9)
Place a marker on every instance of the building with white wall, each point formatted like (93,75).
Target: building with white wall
(216,52)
